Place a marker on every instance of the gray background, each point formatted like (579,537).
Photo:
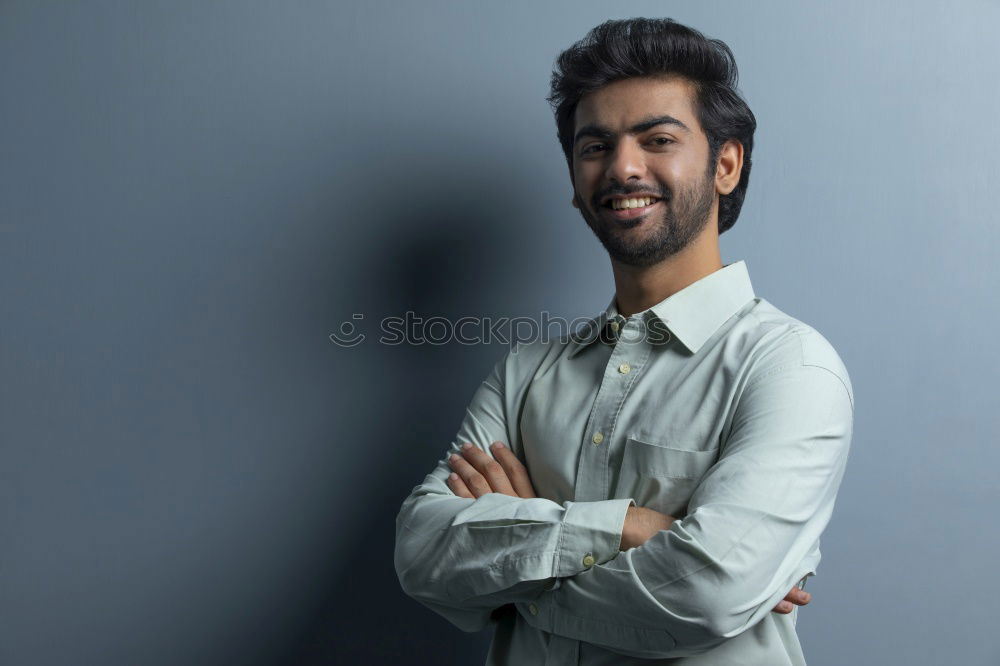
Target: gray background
(194,195)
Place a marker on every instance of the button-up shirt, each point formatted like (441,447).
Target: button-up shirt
(712,406)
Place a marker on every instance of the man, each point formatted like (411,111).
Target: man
(653,488)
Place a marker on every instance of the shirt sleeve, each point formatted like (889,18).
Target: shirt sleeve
(752,523)
(464,557)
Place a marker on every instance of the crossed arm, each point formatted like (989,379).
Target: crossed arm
(476,474)
(577,570)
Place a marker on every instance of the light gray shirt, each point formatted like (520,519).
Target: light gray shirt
(712,406)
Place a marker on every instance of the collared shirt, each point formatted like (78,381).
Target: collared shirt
(712,406)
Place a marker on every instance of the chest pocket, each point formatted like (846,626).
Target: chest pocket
(661,477)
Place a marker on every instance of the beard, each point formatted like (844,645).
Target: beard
(684,217)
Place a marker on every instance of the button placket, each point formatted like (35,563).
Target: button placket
(593,475)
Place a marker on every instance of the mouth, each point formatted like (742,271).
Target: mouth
(629,208)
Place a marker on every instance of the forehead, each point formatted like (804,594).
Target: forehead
(622,103)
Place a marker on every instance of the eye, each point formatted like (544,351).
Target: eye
(662,140)
(591,148)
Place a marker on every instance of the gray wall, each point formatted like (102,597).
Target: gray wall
(194,195)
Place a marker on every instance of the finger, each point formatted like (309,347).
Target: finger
(489,468)
(798,597)
(473,480)
(795,596)
(784,607)
(516,471)
(458,486)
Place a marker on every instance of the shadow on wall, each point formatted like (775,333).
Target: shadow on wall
(439,261)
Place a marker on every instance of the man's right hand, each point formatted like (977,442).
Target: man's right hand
(641,524)
(795,597)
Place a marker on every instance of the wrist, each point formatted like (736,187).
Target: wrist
(641,524)
(628,529)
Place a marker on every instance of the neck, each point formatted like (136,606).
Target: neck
(637,289)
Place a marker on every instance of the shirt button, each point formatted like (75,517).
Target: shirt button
(533,609)
(624,368)
(588,560)
(614,326)
(598,438)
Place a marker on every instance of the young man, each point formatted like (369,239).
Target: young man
(653,488)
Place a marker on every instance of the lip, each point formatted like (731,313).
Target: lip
(629,213)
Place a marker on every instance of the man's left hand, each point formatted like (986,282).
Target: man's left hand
(476,473)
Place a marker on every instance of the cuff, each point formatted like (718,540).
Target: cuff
(591,534)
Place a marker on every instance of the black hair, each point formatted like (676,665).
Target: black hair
(626,48)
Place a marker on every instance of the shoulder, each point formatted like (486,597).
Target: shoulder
(773,341)
(526,359)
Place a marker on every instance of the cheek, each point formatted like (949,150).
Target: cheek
(674,170)
(680,175)
(585,181)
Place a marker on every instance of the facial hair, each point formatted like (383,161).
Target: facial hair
(684,217)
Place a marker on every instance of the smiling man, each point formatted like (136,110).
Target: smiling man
(651,489)
(633,213)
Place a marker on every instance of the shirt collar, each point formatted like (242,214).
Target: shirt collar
(692,314)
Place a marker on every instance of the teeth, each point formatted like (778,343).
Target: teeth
(619,204)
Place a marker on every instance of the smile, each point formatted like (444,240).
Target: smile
(628,209)
(632,202)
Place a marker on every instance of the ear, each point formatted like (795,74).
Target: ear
(729,166)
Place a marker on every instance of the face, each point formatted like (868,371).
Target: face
(639,138)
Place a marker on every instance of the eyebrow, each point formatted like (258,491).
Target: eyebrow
(602,132)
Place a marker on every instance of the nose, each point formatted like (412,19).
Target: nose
(626,161)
